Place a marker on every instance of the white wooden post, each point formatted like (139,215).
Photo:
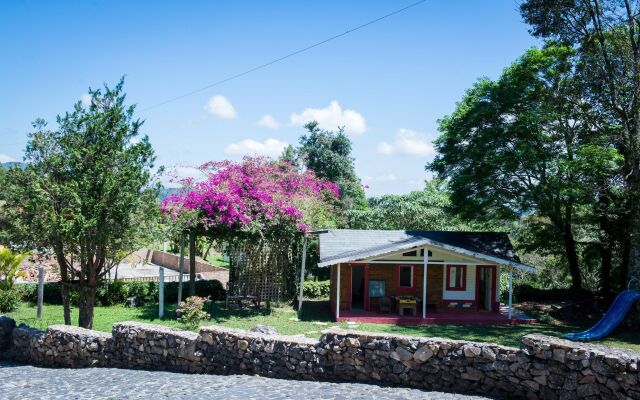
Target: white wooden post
(424,283)
(181,267)
(161,293)
(40,291)
(304,263)
(338,294)
(510,290)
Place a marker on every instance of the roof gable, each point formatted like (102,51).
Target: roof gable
(344,245)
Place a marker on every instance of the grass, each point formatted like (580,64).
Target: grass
(314,319)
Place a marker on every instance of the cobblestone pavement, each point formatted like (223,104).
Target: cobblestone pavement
(27,382)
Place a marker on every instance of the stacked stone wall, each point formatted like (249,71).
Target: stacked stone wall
(543,368)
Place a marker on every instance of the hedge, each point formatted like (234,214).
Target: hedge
(117,292)
(317,289)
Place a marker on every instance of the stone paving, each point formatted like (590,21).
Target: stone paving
(27,382)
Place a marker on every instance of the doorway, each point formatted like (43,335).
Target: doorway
(357,287)
(485,288)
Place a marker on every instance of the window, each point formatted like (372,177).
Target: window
(405,276)
(456,277)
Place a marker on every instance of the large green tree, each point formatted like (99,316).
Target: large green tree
(527,144)
(328,155)
(606,36)
(426,209)
(87,192)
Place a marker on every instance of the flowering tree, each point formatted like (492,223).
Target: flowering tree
(256,197)
(257,205)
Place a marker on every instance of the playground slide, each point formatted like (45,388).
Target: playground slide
(610,320)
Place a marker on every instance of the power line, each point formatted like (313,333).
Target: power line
(261,66)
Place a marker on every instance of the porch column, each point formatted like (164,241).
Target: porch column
(424,283)
(338,294)
(510,290)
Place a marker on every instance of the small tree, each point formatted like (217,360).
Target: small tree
(9,265)
(87,192)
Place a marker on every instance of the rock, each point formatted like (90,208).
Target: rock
(422,354)
(352,342)
(472,351)
(403,354)
(264,329)
(243,344)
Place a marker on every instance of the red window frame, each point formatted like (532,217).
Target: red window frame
(401,289)
(463,268)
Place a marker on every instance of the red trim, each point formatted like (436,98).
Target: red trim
(366,287)
(495,306)
(396,273)
(463,268)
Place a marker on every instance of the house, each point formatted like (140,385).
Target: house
(419,276)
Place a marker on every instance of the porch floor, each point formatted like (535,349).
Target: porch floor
(460,317)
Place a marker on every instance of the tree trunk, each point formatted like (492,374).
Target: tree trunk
(572,259)
(86,304)
(571,252)
(64,290)
(624,264)
(64,282)
(634,224)
(605,270)
(192,262)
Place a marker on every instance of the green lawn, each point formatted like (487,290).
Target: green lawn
(314,319)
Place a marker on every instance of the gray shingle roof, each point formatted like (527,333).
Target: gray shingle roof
(344,245)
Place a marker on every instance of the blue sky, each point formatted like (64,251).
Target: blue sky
(388,83)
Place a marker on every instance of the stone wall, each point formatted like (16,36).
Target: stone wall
(544,367)
(208,271)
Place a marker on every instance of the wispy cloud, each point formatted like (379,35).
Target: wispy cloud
(407,142)
(6,158)
(267,121)
(332,117)
(270,148)
(221,107)
(380,178)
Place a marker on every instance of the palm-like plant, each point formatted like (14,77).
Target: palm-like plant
(9,264)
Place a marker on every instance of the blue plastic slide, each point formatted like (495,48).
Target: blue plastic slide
(610,320)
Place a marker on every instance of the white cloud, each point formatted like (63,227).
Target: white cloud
(221,107)
(85,99)
(270,148)
(6,158)
(380,178)
(267,121)
(332,117)
(407,142)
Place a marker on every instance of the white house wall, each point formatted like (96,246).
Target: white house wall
(469,294)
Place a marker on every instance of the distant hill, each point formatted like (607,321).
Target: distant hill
(13,164)
(168,191)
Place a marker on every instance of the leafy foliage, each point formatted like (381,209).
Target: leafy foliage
(257,197)
(191,311)
(527,144)
(605,36)
(428,209)
(328,155)
(317,289)
(87,191)
(9,265)
(9,300)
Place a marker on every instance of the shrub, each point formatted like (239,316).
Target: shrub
(116,292)
(191,311)
(9,300)
(317,289)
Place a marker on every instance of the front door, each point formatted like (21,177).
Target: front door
(485,288)
(357,287)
